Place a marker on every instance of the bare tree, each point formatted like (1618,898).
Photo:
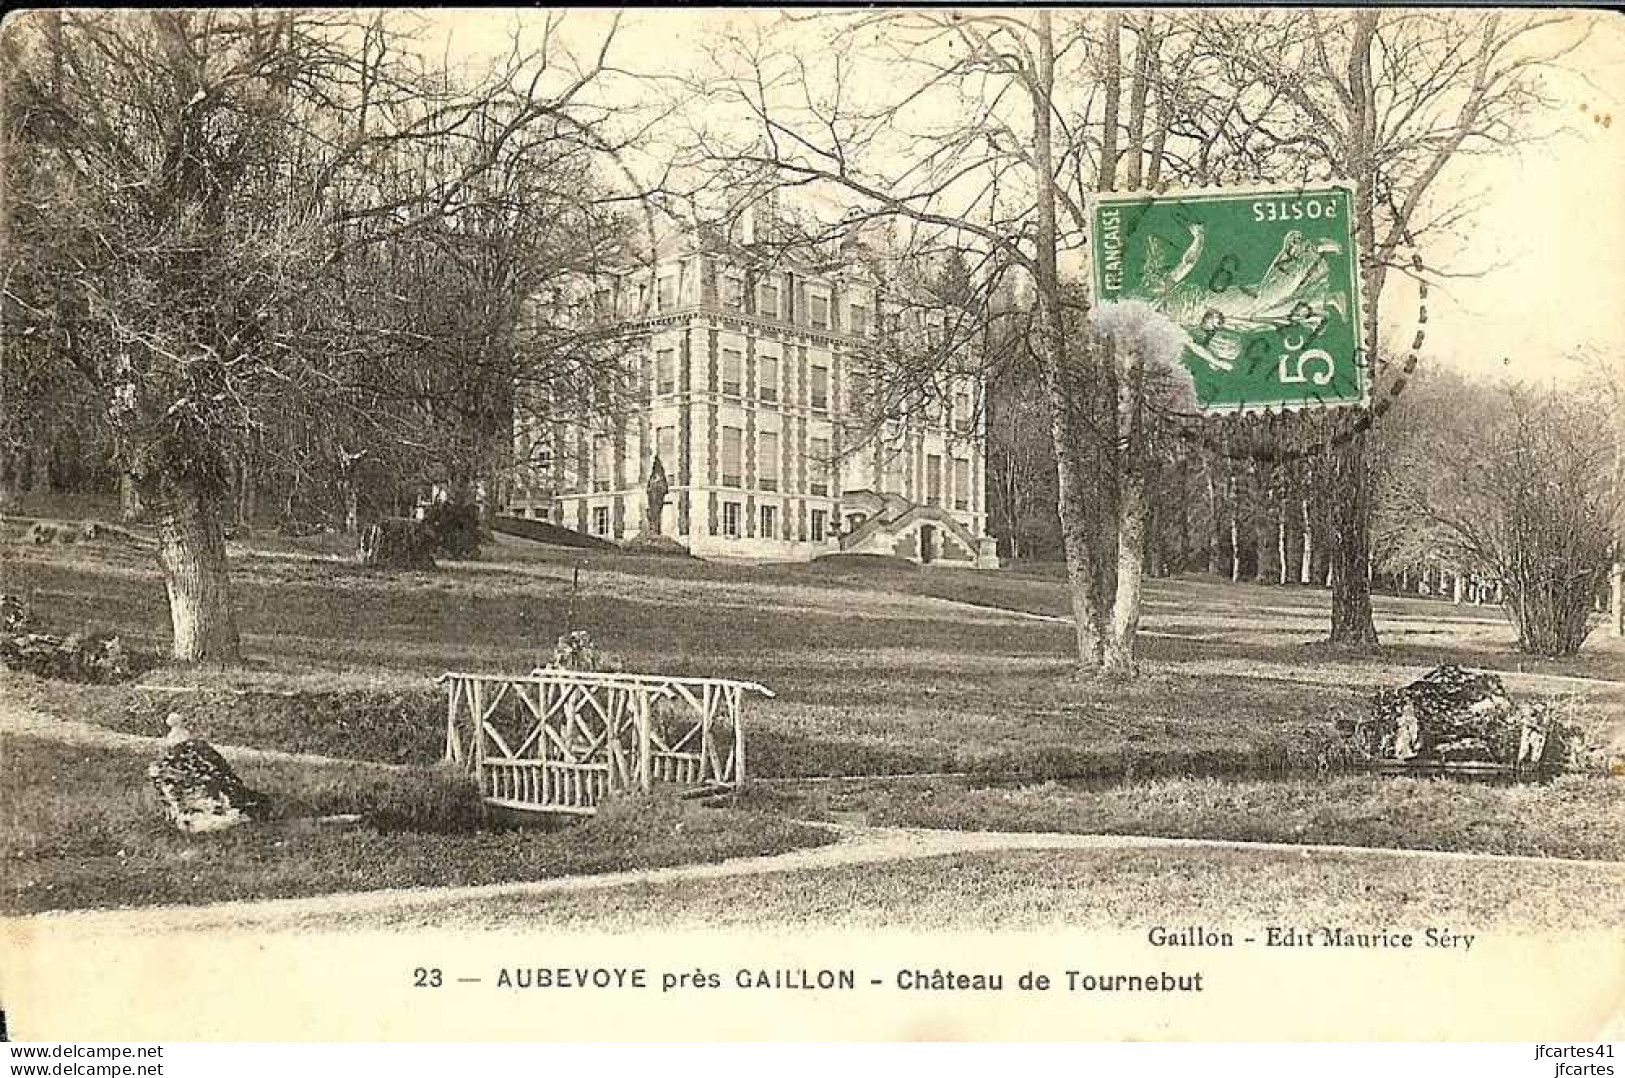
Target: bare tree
(1392,100)
(196,182)
(1020,459)
(980,138)
(1511,487)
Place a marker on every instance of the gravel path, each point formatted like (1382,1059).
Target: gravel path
(857,846)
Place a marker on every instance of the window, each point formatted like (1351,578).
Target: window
(666,371)
(643,298)
(600,520)
(820,525)
(770,522)
(733,368)
(666,448)
(666,294)
(767,378)
(767,304)
(933,480)
(962,415)
(604,301)
(818,465)
(961,484)
(859,317)
(820,388)
(733,471)
(818,311)
(603,462)
(767,460)
(733,292)
(893,474)
(730,519)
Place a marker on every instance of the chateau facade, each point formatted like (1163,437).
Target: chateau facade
(750,395)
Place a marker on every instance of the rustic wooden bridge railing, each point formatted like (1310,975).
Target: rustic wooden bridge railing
(564,740)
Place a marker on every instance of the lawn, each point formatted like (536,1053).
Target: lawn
(1571,817)
(1077,890)
(868,680)
(878,670)
(81,829)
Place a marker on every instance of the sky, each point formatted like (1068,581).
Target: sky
(1545,246)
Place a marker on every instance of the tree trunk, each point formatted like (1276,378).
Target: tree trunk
(1131,521)
(1349,545)
(1306,566)
(1074,509)
(250,496)
(10,476)
(1281,553)
(129,499)
(352,506)
(1265,537)
(1235,534)
(1062,379)
(1156,546)
(39,470)
(1616,593)
(1133,512)
(1348,490)
(1215,539)
(192,553)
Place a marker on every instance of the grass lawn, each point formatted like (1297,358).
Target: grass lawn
(876,671)
(1575,816)
(1078,890)
(870,679)
(82,829)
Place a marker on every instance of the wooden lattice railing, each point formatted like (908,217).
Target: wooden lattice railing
(564,740)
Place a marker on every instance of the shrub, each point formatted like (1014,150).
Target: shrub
(455,528)
(578,651)
(397,543)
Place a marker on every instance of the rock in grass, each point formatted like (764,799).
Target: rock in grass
(1447,715)
(197,789)
(1451,715)
(89,657)
(15,617)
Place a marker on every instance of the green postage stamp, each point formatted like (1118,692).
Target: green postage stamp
(1263,282)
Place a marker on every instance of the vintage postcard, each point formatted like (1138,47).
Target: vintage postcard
(861,523)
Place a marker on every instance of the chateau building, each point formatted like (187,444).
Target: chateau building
(750,396)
